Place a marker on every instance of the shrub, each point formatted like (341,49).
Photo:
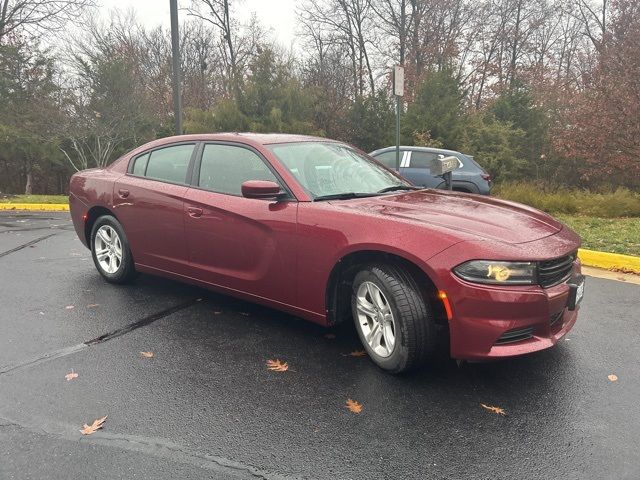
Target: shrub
(618,203)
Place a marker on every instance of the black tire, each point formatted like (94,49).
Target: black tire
(415,328)
(126,271)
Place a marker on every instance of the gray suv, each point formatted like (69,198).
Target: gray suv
(415,163)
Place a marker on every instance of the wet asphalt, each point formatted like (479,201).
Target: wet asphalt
(205,405)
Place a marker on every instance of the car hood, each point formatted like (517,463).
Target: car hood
(473,215)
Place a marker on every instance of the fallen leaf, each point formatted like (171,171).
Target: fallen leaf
(217,312)
(329,336)
(613,378)
(69,307)
(245,314)
(355,353)
(496,410)
(354,406)
(198,299)
(71,376)
(146,354)
(277,365)
(93,305)
(96,425)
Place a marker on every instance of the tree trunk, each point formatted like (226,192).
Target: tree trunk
(28,189)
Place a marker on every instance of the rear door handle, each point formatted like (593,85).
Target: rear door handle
(194,212)
(123,193)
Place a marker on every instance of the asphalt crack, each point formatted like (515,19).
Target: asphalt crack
(156,447)
(25,245)
(66,351)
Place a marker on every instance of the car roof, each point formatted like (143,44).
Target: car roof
(245,137)
(421,149)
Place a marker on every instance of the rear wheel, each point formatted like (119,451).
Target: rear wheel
(110,250)
(392,319)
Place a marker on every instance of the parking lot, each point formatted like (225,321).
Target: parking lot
(205,405)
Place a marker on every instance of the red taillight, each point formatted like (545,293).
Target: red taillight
(486,176)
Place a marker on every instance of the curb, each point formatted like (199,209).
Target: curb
(609,261)
(41,207)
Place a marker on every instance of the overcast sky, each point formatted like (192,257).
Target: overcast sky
(278,15)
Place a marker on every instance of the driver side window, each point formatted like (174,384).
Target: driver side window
(224,168)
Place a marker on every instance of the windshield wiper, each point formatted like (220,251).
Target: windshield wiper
(398,187)
(343,196)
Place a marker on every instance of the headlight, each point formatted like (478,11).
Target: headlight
(498,273)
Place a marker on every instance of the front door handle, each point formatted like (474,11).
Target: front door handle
(194,212)
(123,193)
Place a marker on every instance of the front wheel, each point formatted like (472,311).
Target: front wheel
(392,319)
(110,250)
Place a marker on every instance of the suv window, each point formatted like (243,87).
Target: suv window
(168,163)
(388,159)
(422,159)
(224,168)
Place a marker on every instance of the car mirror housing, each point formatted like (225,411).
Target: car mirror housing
(262,189)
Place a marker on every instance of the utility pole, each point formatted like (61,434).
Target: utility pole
(175,56)
(398,92)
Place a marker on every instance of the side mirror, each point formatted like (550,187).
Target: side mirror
(263,189)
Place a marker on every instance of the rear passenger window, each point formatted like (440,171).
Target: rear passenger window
(169,164)
(422,159)
(140,165)
(225,168)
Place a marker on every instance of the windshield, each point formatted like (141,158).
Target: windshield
(332,169)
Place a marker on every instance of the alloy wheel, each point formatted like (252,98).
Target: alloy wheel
(108,249)
(375,319)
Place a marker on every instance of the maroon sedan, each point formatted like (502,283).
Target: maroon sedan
(319,229)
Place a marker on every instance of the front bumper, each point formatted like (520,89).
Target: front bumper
(495,321)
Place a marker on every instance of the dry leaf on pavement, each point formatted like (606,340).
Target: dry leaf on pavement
(355,353)
(613,378)
(96,425)
(69,307)
(329,336)
(277,365)
(496,410)
(93,305)
(354,406)
(71,376)
(146,354)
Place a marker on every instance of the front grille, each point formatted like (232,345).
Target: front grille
(553,272)
(516,335)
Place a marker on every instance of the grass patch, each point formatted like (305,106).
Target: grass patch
(614,235)
(614,204)
(36,199)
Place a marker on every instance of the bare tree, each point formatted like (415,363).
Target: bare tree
(38,16)
(218,14)
(346,22)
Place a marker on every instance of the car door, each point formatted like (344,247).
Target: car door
(243,244)
(148,201)
(418,169)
